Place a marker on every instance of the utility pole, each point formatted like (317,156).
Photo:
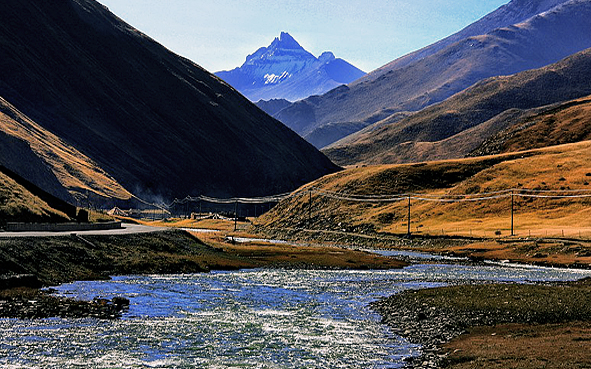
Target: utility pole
(235,215)
(512,212)
(408,220)
(309,207)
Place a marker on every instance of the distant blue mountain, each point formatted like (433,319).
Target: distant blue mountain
(285,70)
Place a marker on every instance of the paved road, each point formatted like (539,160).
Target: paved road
(127,228)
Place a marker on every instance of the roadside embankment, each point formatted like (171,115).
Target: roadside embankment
(434,317)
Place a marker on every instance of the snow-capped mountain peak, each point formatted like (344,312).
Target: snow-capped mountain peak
(326,57)
(284,54)
(284,69)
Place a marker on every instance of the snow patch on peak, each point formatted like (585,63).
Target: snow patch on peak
(272,79)
(286,70)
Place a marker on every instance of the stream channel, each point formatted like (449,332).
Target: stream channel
(264,318)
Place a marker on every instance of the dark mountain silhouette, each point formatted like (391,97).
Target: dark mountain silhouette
(461,124)
(422,80)
(157,123)
(285,70)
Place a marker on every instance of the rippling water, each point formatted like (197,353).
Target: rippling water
(245,319)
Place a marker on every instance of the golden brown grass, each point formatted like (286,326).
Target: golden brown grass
(18,204)
(265,254)
(568,122)
(75,171)
(212,224)
(558,338)
(99,216)
(523,346)
(515,325)
(261,254)
(556,168)
(550,252)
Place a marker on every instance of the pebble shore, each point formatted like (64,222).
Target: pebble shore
(432,327)
(409,318)
(43,305)
(21,297)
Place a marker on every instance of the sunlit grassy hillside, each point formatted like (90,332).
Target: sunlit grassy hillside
(561,168)
(557,124)
(460,124)
(18,204)
(75,171)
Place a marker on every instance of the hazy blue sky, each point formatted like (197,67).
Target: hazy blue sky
(219,34)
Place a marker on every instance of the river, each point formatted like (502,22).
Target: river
(245,319)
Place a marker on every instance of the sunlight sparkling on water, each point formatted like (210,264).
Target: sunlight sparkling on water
(246,319)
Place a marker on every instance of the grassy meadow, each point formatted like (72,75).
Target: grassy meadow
(560,169)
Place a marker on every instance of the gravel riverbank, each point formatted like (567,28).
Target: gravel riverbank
(29,263)
(433,317)
(49,261)
(430,326)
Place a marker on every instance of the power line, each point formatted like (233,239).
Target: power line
(376,198)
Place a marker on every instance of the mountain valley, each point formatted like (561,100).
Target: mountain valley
(112,113)
(464,164)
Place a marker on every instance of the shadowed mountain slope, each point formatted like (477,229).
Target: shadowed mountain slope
(538,41)
(273,106)
(157,123)
(460,124)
